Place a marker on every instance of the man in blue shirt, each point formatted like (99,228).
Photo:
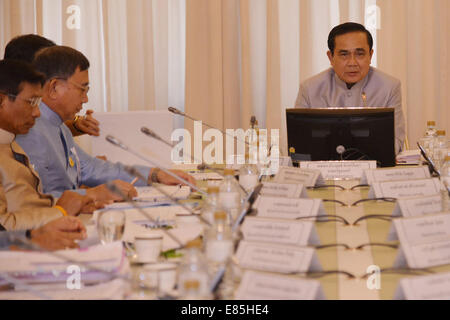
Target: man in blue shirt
(61,163)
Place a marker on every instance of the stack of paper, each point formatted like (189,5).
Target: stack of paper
(409,157)
(42,274)
(151,194)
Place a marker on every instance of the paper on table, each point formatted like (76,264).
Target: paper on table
(307,177)
(111,290)
(285,190)
(395,174)
(431,287)
(266,286)
(150,193)
(340,170)
(282,231)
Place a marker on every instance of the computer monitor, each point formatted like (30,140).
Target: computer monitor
(342,134)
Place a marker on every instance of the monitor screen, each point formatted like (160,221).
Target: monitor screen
(342,134)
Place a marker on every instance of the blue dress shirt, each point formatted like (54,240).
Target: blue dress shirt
(61,163)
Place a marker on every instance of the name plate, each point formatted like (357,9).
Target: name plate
(263,286)
(425,241)
(405,189)
(395,174)
(340,170)
(288,208)
(432,287)
(277,258)
(285,190)
(300,233)
(307,177)
(418,206)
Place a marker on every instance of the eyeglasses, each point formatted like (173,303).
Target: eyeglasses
(84,89)
(34,102)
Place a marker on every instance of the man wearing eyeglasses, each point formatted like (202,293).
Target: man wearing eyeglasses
(61,163)
(22,204)
(352,82)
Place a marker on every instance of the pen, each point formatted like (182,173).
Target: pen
(134,181)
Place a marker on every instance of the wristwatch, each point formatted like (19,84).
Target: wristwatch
(155,175)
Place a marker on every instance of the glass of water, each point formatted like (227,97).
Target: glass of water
(110,225)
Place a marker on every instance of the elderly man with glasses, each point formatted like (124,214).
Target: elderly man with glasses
(61,163)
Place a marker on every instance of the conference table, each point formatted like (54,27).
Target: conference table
(350,268)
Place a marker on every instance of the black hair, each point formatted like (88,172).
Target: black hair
(25,47)
(344,29)
(59,62)
(14,73)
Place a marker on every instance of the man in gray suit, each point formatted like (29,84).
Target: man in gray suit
(352,82)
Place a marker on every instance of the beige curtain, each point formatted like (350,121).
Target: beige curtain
(136,47)
(268,47)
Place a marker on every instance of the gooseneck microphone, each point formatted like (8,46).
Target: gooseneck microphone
(134,172)
(202,166)
(121,145)
(180,113)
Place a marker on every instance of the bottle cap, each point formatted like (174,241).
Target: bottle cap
(440,133)
(212,190)
(191,285)
(220,215)
(196,243)
(228,172)
(431,123)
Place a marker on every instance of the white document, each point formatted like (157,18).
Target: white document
(430,287)
(395,174)
(340,170)
(287,208)
(207,176)
(425,241)
(285,190)
(265,286)
(300,233)
(418,206)
(277,258)
(111,290)
(285,161)
(151,194)
(307,177)
(405,189)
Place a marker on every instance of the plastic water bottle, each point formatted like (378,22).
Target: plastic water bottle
(219,241)
(211,204)
(219,249)
(445,180)
(440,149)
(427,142)
(230,194)
(193,277)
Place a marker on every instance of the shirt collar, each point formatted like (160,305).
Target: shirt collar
(6,137)
(50,115)
(357,86)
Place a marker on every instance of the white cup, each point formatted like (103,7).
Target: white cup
(164,274)
(148,247)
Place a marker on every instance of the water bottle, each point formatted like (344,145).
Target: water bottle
(440,149)
(211,204)
(427,141)
(219,249)
(445,180)
(219,242)
(193,277)
(230,194)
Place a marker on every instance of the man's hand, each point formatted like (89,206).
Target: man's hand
(101,192)
(59,234)
(88,124)
(74,203)
(84,125)
(169,180)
